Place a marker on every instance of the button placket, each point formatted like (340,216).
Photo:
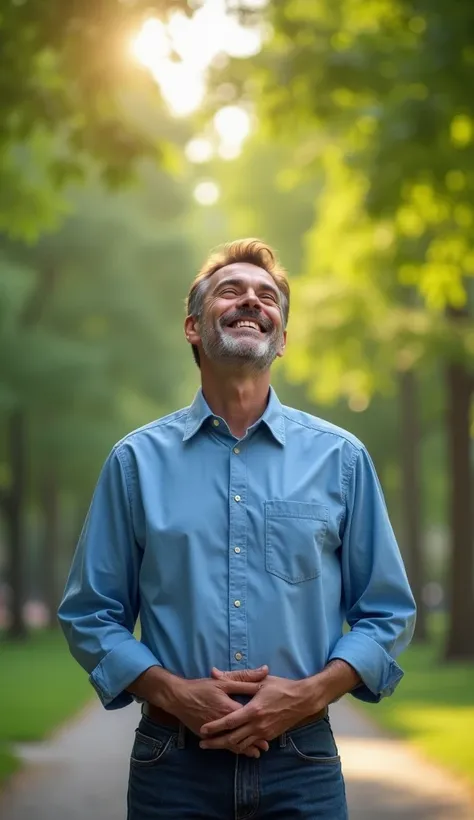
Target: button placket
(237,559)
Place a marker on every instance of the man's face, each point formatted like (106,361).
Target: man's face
(242,321)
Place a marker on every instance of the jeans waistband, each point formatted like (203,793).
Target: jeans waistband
(183,735)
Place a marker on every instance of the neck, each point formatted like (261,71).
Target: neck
(239,399)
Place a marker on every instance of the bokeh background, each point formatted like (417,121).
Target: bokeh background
(138,135)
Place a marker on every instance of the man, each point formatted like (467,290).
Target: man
(245,534)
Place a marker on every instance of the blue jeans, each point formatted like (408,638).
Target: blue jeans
(299,778)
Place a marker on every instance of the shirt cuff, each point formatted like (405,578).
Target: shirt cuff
(118,669)
(380,674)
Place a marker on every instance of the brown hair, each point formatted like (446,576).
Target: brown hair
(252,251)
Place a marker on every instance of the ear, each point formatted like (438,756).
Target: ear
(191,330)
(282,349)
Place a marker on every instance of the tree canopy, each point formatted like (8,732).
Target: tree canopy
(70,92)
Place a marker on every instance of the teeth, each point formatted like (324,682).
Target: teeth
(253,325)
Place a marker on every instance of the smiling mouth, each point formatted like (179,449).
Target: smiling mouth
(247,324)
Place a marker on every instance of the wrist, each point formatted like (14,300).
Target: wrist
(311,695)
(158,687)
(327,686)
(169,695)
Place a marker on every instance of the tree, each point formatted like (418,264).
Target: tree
(74,107)
(104,354)
(69,92)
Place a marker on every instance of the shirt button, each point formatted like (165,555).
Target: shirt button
(236,451)
(237,498)
(237,603)
(216,422)
(237,550)
(238,656)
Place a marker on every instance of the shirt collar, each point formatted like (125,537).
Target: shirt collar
(273,417)
(196,416)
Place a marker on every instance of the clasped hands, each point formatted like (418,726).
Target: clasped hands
(276,705)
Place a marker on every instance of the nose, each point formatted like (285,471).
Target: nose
(249,299)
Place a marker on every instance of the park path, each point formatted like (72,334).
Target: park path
(81,773)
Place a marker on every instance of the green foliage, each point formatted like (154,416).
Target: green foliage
(65,89)
(264,194)
(116,317)
(91,334)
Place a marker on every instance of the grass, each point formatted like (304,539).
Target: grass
(8,763)
(40,686)
(433,706)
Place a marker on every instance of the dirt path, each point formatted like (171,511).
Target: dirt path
(82,773)
(387,780)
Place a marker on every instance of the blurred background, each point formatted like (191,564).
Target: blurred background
(138,135)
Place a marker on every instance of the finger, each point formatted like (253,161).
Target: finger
(240,739)
(229,740)
(252,751)
(244,675)
(240,743)
(236,687)
(233,706)
(222,742)
(249,743)
(228,723)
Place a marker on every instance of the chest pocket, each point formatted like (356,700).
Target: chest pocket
(294,538)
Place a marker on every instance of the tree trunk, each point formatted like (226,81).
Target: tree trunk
(14,500)
(14,509)
(411,494)
(50,553)
(460,641)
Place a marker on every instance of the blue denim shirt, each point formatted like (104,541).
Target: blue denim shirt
(237,553)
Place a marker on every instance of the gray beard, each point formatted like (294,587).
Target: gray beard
(220,346)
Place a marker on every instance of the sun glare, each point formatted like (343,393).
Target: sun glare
(206,192)
(151,46)
(232,123)
(199,150)
(197,41)
(182,90)
(229,150)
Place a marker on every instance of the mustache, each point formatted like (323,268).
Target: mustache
(252,315)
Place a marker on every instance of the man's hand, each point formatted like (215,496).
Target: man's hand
(278,705)
(199,701)
(205,700)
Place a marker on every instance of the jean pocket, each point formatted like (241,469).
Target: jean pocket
(148,751)
(294,537)
(315,743)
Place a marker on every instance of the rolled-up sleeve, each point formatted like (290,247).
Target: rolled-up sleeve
(101,601)
(380,609)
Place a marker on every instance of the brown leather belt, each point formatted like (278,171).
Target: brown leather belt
(158,715)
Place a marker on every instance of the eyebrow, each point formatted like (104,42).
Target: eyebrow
(238,283)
